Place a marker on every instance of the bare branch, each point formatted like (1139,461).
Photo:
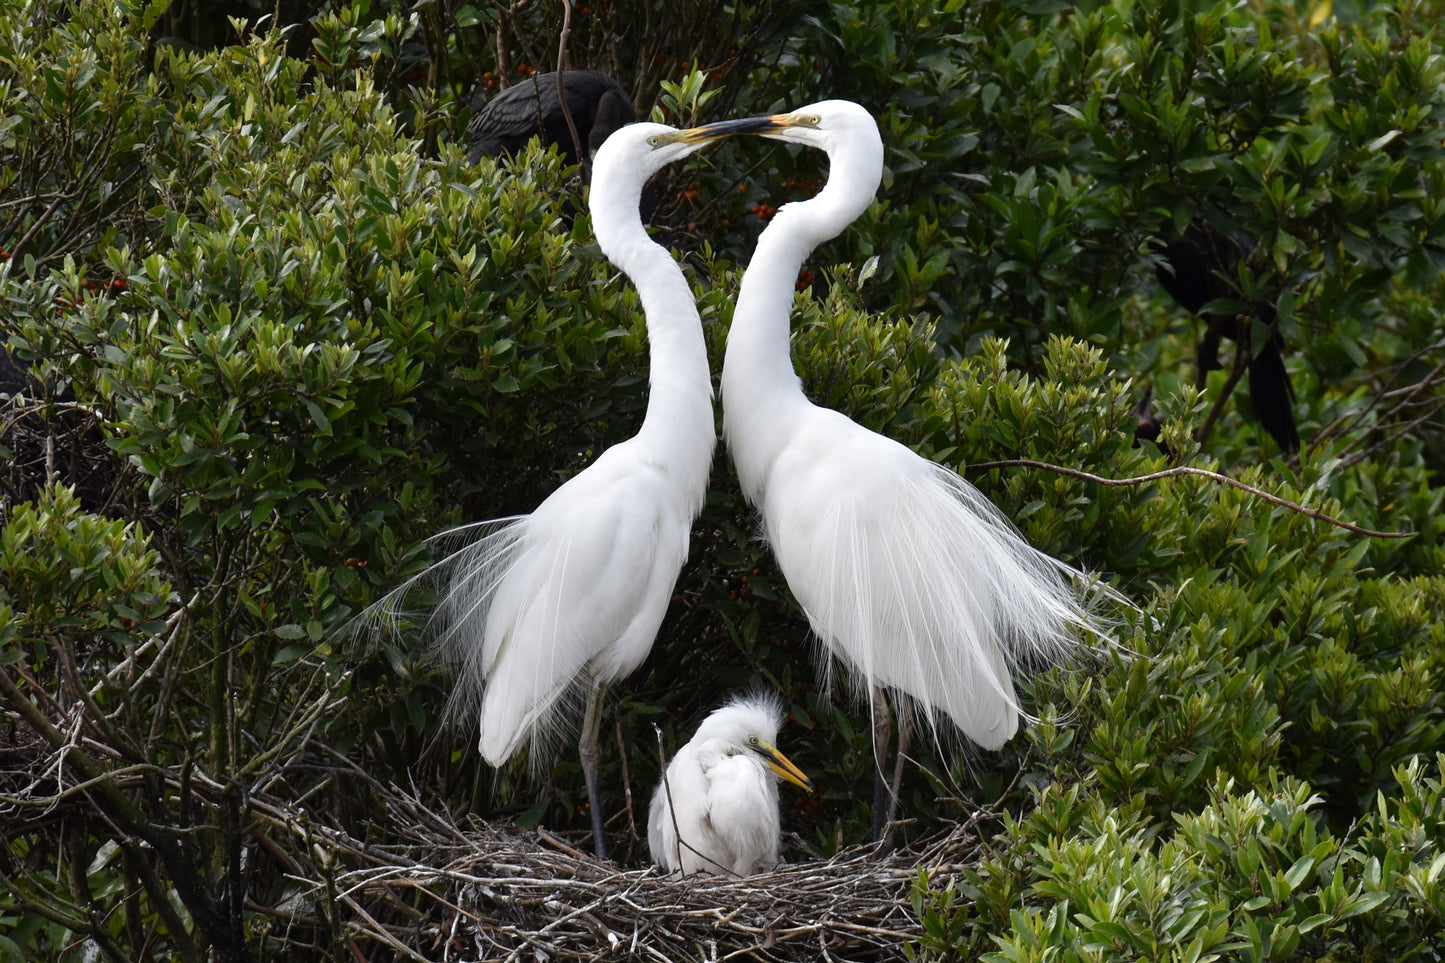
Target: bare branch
(1179,470)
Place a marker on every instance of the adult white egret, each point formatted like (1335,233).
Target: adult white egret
(716,810)
(570,597)
(908,575)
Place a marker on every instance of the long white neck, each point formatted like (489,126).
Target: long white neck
(760,389)
(679,418)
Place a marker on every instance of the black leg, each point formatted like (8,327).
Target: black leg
(905,737)
(587,750)
(882,732)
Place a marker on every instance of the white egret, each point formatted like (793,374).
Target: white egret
(908,575)
(570,597)
(716,810)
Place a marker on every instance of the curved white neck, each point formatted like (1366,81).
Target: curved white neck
(758,365)
(760,389)
(679,416)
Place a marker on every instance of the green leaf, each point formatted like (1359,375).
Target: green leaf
(1296,874)
(10,952)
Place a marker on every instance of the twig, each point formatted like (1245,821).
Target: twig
(626,782)
(1314,513)
(377,931)
(557,844)
(1410,391)
(667,788)
(1242,361)
(582,158)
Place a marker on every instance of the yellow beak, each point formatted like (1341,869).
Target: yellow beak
(781,765)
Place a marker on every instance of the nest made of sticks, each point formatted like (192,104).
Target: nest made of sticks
(396,880)
(491,891)
(509,894)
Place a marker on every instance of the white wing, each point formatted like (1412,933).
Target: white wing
(723,818)
(910,576)
(743,813)
(574,591)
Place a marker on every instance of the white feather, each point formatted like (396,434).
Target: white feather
(908,575)
(574,593)
(717,809)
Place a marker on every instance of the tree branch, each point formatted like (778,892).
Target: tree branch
(583,160)
(1314,513)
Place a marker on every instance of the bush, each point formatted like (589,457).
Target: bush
(1252,875)
(286,334)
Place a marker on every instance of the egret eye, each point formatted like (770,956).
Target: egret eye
(752,740)
(654,141)
(814,120)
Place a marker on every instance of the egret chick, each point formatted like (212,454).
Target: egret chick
(716,810)
(570,598)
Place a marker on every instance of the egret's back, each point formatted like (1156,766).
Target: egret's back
(911,577)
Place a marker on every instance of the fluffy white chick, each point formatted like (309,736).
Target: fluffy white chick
(717,809)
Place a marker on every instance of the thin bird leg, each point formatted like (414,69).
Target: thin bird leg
(882,732)
(587,750)
(905,736)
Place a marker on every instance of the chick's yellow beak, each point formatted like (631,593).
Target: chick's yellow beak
(782,765)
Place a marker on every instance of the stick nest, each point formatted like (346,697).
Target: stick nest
(501,893)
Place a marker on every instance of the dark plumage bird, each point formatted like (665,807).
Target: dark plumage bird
(1195,270)
(15,378)
(1149,425)
(505,123)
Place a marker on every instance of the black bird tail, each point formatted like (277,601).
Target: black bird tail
(1272,396)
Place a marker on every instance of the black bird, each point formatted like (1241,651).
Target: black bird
(505,123)
(15,378)
(1149,425)
(1195,270)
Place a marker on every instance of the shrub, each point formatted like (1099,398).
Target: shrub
(287,335)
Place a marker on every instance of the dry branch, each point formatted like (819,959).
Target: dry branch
(1314,513)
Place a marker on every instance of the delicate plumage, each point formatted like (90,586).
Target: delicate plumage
(717,809)
(571,596)
(907,574)
(531,108)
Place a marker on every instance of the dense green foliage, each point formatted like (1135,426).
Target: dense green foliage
(288,334)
